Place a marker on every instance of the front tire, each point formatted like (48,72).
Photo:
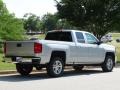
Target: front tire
(24,69)
(108,64)
(56,67)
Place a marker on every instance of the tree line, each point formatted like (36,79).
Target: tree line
(46,23)
(96,16)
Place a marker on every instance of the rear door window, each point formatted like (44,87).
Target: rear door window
(80,37)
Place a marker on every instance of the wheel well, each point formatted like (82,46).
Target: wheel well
(111,54)
(59,54)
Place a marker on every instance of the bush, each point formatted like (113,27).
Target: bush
(11,28)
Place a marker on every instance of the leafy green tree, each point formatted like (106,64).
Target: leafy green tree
(96,16)
(32,22)
(11,28)
(49,22)
(64,24)
(52,22)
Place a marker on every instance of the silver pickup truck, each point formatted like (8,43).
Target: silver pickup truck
(59,49)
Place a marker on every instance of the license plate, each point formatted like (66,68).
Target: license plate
(20,59)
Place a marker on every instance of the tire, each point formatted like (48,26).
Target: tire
(56,67)
(78,68)
(24,69)
(108,64)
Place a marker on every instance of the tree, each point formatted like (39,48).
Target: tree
(11,28)
(49,22)
(96,16)
(64,24)
(32,22)
(52,22)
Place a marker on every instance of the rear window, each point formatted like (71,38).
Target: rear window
(59,36)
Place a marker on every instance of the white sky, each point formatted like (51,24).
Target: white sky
(38,7)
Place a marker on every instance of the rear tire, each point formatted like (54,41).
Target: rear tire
(108,64)
(24,69)
(78,68)
(56,67)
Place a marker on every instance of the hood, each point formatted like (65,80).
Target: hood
(108,47)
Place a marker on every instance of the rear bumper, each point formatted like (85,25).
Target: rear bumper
(21,56)
(32,60)
(44,59)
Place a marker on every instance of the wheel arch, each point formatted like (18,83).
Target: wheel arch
(111,54)
(59,54)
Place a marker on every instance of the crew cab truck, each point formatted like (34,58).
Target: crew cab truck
(59,49)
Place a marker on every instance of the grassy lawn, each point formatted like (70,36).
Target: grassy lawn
(10,66)
(117,45)
(42,36)
(6,66)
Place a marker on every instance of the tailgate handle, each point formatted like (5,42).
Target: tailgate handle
(19,45)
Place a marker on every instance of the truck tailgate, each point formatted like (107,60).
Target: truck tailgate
(19,48)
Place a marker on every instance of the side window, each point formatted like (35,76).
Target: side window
(80,37)
(90,38)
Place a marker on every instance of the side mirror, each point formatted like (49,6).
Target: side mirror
(99,42)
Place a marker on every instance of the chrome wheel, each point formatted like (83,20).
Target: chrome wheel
(109,63)
(57,67)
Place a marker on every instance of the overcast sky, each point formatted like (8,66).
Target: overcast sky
(38,7)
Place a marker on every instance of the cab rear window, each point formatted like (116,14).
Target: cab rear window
(59,36)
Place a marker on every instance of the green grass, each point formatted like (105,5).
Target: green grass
(5,66)
(42,36)
(117,45)
(115,35)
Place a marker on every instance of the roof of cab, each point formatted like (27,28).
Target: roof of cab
(67,30)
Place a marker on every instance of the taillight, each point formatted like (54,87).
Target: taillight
(4,48)
(37,48)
